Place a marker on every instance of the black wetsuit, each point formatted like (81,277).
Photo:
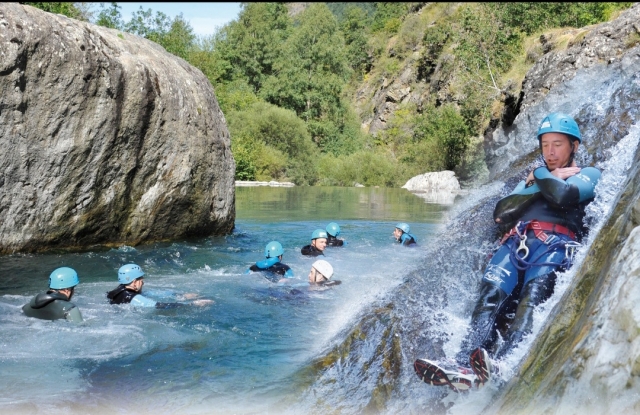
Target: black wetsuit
(277,268)
(124,295)
(333,241)
(52,305)
(311,251)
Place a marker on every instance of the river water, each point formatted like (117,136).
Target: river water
(237,355)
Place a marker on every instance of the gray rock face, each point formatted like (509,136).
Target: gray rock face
(106,139)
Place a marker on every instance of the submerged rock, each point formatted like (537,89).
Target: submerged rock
(106,138)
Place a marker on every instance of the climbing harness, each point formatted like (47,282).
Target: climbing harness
(520,251)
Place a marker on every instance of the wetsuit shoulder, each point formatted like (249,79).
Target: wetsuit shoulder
(408,239)
(333,241)
(121,295)
(52,306)
(310,251)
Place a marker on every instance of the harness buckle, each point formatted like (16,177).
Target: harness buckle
(523,247)
(570,250)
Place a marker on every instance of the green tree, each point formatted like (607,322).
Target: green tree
(312,72)
(249,47)
(110,16)
(354,27)
(448,134)
(388,16)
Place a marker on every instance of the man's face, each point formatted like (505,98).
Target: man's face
(137,284)
(319,243)
(557,149)
(397,233)
(315,276)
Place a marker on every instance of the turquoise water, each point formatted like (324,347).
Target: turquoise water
(237,355)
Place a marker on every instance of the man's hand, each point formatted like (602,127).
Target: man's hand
(565,172)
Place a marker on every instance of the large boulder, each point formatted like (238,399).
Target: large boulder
(440,181)
(106,138)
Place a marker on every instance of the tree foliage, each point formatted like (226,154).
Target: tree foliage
(534,17)
(287,84)
(65,8)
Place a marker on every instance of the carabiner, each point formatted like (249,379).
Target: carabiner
(523,247)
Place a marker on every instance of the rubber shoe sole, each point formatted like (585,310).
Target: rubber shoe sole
(481,365)
(432,374)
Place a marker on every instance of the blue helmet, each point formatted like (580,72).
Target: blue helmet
(333,229)
(273,249)
(403,227)
(318,233)
(62,278)
(560,123)
(128,273)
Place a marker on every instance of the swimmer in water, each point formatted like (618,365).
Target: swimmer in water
(333,230)
(318,244)
(272,264)
(402,235)
(56,303)
(129,291)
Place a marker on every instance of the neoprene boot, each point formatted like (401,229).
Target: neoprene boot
(483,332)
(534,293)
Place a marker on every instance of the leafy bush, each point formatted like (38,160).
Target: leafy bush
(534,17)
(275,141)
(447,132)
(367,167)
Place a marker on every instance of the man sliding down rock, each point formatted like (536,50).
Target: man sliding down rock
(544,217)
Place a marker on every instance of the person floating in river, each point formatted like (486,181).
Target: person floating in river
(402,235)
(56,303)
(320,276)
(318,243)
(333,230)
(272,264)
(131,279)
(544,222)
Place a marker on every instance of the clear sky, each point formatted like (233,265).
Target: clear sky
(204,18)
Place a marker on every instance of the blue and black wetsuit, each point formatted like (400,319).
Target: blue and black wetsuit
(310,250)
(550,212)
(272,267)
(277,268)
(124,295)
(407,239)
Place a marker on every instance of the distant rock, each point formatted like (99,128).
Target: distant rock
(442,181)
(106,139)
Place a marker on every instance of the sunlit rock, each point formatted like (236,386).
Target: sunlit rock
(106,138)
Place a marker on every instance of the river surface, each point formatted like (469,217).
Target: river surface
(237,355)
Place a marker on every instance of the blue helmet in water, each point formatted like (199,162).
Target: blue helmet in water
(333,229)
(62,278)
(318,233)
(273,249)
(128,273)
(560,123)
(403,227)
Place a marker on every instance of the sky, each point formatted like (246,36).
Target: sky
(204,18)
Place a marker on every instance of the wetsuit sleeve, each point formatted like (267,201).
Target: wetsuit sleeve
(288,273)
(142,301)
(510,208)
(74,315)
(574,190)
